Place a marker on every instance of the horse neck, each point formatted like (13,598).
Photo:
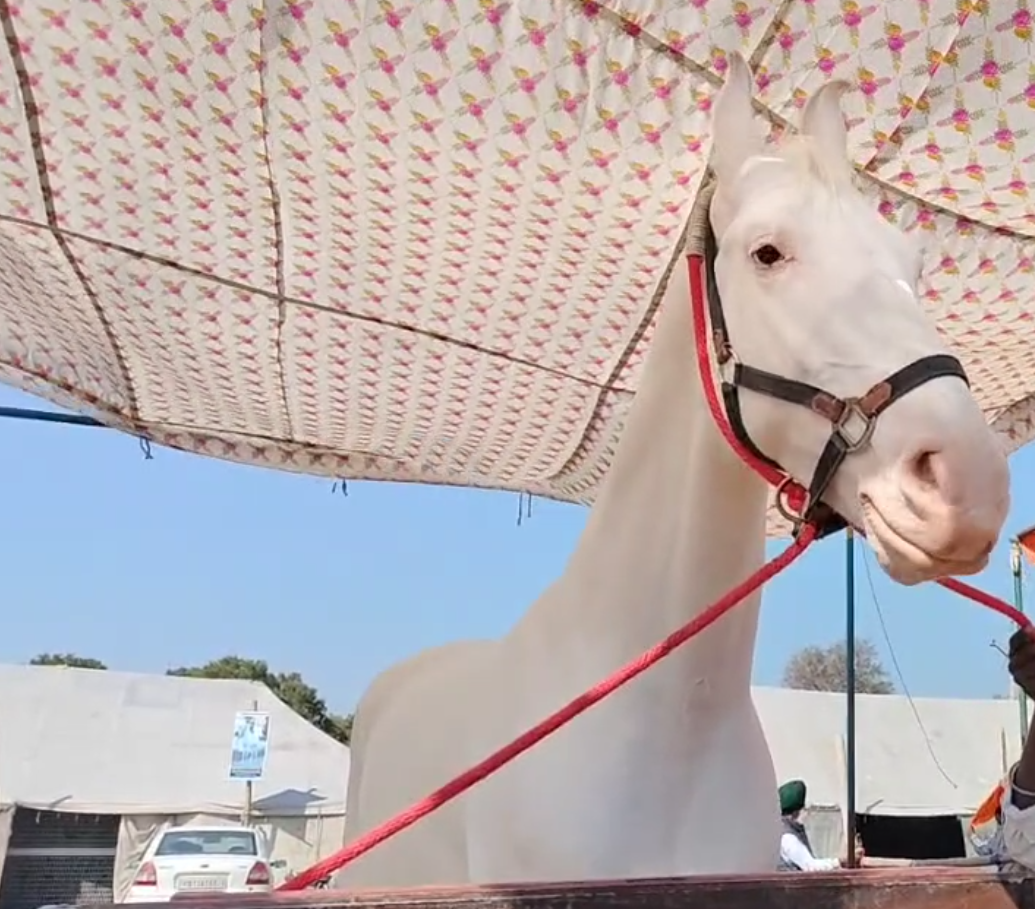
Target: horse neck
(678,521)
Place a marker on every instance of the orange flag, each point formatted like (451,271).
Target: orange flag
(1026,540)
(988,810)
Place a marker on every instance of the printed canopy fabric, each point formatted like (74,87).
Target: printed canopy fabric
(420,239)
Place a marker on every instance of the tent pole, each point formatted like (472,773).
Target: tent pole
(49,416)
(249,791)
(1018,601)
(850,694)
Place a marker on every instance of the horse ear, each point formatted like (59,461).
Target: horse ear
(735,134)
(823,121)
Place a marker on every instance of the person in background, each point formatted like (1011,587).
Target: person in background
(795,849)
(1003,828)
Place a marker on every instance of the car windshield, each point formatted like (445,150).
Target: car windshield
(208,842)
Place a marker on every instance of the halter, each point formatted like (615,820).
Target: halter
(852,419)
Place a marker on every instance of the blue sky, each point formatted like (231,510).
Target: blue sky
(177,560)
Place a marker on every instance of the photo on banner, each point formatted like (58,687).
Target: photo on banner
(250,745)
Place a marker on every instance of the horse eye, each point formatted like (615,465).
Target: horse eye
(767,255)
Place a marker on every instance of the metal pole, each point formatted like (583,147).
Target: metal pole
(850,693)
(1018,601)
(246,815)
(49,416)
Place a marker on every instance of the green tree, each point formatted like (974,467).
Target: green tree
(342,727)
(290,687)
(66,659)
(825,669)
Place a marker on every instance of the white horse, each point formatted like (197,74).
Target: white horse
(672,775)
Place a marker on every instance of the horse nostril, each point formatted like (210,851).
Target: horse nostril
(924,468)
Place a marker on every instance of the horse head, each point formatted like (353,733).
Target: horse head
(819,290)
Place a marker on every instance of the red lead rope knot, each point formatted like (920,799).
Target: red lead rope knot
(791,500)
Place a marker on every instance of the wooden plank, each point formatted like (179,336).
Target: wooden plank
(905,888)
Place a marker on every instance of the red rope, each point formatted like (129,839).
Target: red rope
(553,722)
(796,493)
(987,600)
(767,472)
(795,500)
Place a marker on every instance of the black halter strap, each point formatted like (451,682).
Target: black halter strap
(853,419)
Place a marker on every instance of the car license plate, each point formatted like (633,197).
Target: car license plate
(201,882)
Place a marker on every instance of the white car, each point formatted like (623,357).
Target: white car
(184,861)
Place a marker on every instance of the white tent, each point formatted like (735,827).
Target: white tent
(923,758)
(155,749)
(942,760)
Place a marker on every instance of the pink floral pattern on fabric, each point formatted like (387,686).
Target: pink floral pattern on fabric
(420,241)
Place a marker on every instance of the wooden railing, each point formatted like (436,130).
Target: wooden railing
(923,887)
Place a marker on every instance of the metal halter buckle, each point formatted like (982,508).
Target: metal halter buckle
(728,362)
(780,501)
(854,426)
